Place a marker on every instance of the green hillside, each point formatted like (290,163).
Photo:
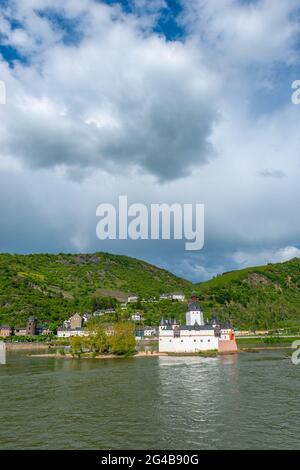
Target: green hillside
(54,286)
(258,297)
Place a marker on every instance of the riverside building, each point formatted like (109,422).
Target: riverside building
(196,335)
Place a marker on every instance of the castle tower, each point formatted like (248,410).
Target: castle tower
(31,326)
(194,313)
(75,321)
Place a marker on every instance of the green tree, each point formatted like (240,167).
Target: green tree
(100,302)
(98,340)
(76,343)
(122,341)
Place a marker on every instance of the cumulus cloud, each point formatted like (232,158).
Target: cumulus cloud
(260,31)
(119,98)
(266,256)
(101,105)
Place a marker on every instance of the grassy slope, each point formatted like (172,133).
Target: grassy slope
(258,297)
(53,286)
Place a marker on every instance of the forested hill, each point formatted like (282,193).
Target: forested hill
(52,287)
(259,297)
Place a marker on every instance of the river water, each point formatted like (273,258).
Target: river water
(246,401)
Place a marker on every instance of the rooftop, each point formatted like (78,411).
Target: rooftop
(194,306)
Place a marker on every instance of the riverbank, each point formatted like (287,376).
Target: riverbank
(265,343)
(244,344)
(264,348)
(26,345)
(204,354)
(137,355)
(98,356)
(267,340)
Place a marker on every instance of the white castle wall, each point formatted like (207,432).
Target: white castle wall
(189,341)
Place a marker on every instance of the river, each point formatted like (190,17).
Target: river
(246,401)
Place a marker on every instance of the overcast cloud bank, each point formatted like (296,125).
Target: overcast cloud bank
(99,103)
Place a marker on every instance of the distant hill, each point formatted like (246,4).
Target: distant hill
(52,287)
(258,297)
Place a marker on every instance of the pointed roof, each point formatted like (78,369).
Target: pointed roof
(194,306)
(32,318)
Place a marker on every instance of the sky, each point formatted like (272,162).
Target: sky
(163,101)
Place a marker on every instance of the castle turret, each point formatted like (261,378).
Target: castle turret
(194,313)
(31,326)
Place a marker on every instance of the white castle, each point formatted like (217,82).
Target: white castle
(196,335)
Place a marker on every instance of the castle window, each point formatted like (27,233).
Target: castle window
(176,333)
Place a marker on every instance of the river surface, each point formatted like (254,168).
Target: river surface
(246,401)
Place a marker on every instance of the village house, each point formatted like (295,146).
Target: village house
(132,298)
(165,297)
(68,332)
(72,327)
(5,331)
(176,296)
(20,331)
(103,311)
(147,332)
(150,331)
(42,330)
(75,321)
(31,329)
(136,317)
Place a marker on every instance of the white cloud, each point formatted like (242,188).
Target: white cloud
(246,259)
(259,31)
(123,107)
(119,98)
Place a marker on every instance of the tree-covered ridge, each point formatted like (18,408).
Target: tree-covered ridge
(52,287)
(258,297)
